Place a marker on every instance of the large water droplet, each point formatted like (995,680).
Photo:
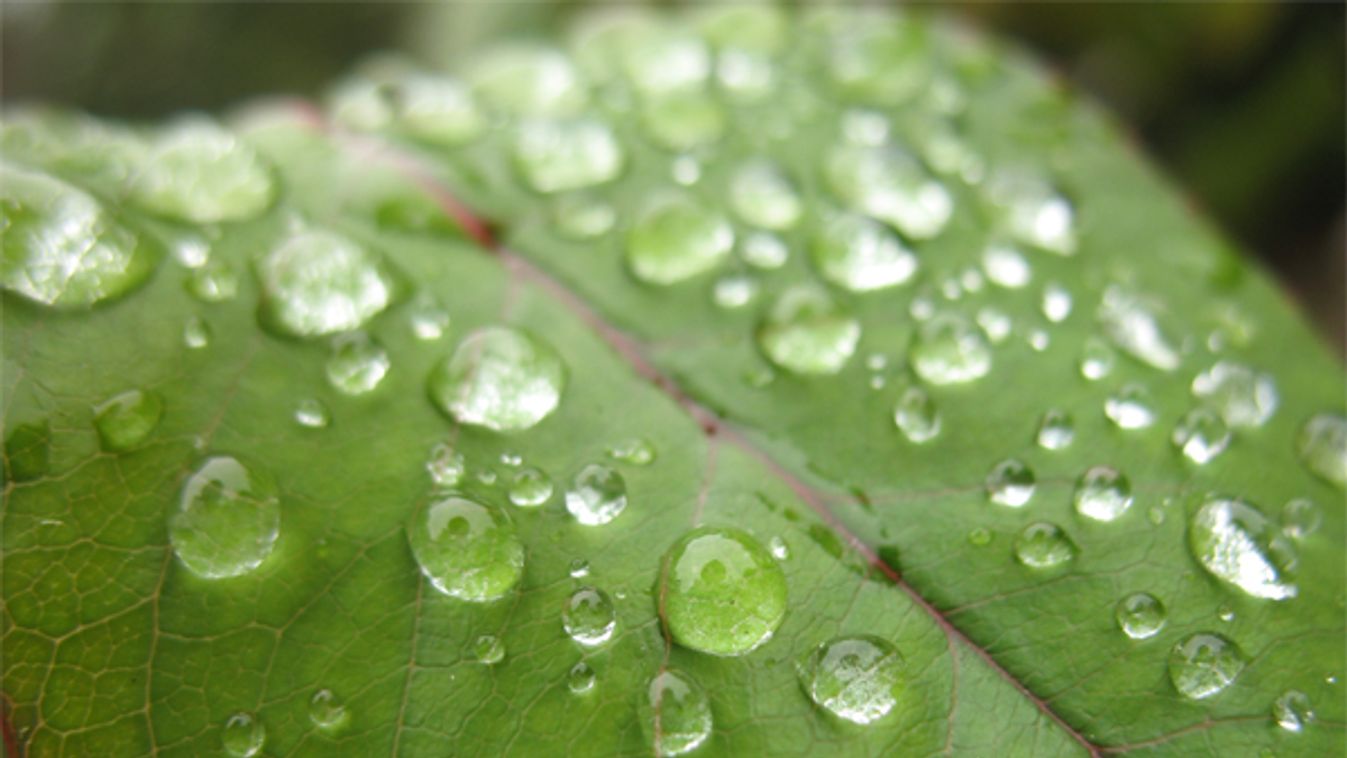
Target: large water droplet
(675,714)
(228,519)
(530,488)
(357,364)
(1102,493)
(1243,397)
(762,195)
(1130,407)
(1203,664)
(466,549)
(856,678)
(891,186)
(724,594)
(916,416)
(327,712)
(126,420)
(683,120)
(949,350)
(1322,446)
(554,156)
(1140,615)
(808,332)
(1056,431)
(858,254)
(1010,482)
(597,495)
(676,239)
(879,60)
(1201,435)
(580,679)
(589,617)
(1293,711)
(319,282)
(61,247)
(500,378)
(526,80)
(243,735)
(1131,323)
(198,172)
(1044,545)
(1237,544)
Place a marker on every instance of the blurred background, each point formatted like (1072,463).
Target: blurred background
(1243,103)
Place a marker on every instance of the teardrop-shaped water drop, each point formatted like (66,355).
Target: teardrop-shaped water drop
(763,196)
(327,712)
(949,350)
(468,550)
(530,488)
(318,282)
(243,735)
(916,416)
(1131,407)
(675,714)
(1203,664)
(856,678)
(228,519)
(1010,483)
(1237,544)
(858,254)
(1140,615)
(357,364)
(500,378)
(677,239)
(1102,493)
(1130,322)
(488,649)
(580,679)
(1293,711)
(1322,447)
(597,495)
(1043,545)
(589,617)
(553,156)
(1244,397)
(723,593)
(1201,435)
(202,174)
(126,420)
(1056,431)
(891,186)
(807,332)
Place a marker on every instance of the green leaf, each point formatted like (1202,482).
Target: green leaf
(866,415)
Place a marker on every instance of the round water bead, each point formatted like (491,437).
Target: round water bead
(723,592)
(466,549)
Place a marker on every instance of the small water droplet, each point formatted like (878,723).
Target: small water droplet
(764,250)
(858,678)
(889,185)
(1032,211)
(664,61)
(1005,266)
(1096,360)
(1141,615)
(1056,431)
(979,537)
(1225,613)
(1010,483)
(763,196)
(327,712)
(676,239)
(1293,711)
(948,350)
(1301,517)
(488,649)
(686,170)
(357,364)
(319,282)
(1237,544)
(1131,323)
(529,80)
(675,714)
(191,251)
(582,216)
(1203,664)
(725,594)
(437,110)
(589,617)
(228,519)
(427,318)
(1245,398)
(243,735)
(500,378)
(486,476)
(1038,340)
(200,173)
(554,156)
(597,495)
(636,451)
(445,465)
(579,568)
(196,333)
(580,679)
(1201,435)
(1322,447)
(683,120)
(466,549)
(213,282)
(916,416)
(530,488)
(734,291)
(126,420)
(1130,407)
(1102,493)
(994,323)
(780,550)
(1044,545)
(312,414)
(808,332)
(513,460)
(1155,515)
(1056,303)
(858,254)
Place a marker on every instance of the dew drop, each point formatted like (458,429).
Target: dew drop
(528,80)
(1225,613)
(327,712)
(1132,325)
(243,735)
(724,595)
(213,282)
(1245,398)
(500,378)
(1056,303)
(979,537)
(1322,447)
(1043,545)
(1237,544)
(200,173)
(582,216)
(1096,360)
(891,186)
(763,196)
(994,323)
(865,127)
(1033,212)
(677,239)
(466,549)
(319,282)
(856,678)
(1293,711)
(745,76)
(764,251)
(807,332)
(1301,517)
(445,466)
(589,617)
(196,333)
(683,120)
(635,451)
(1203,664)
(780,550)
(1005,266)
(597,495)
(916,416)
(553,156)
(675,714)
(357,364)
(1056,431)
(427,318)
(734,291)
(1130,407)
(579,568)
(1140,615)
(28,451)
(438,110)
(1102,493)
(686,170)
(1010,483)
(1201,436)
(948,350)
(530,488)
(580,679)
(228,519)
(883,63)
(858,254)
(488,649)
(126,420)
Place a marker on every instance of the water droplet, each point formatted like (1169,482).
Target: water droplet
(1056,303)
(1005,266)
(553,156)
(427,318)
(1301,517)
(191,251)
(500,378)
(530,488)
(745,76)
(243,735)
(763,250)
(445,465)
(579,568)
(807,332)
(319,282)
(1056,431)
(357,364)
(724,594)
(228,519)
(1132,325)
(763,196)
(527,80)
(780,550)
(675,714)
(979,537)
(581,216)
(865,127)
(1203,664)
(213,282)
(589,617)
(686,170)
(1043,545)
(683,120)
(858,254)
(916,416)
(1096,360)
(1141,615)
(1237,544)
(196,333)
(437,110)
(891,186)
(879,60)
(1155,515)
(61,246)
(854,678)
(1225,613)
(488,649)
(1130,407)
(327,712)
(1011,483)
(1293,711)
(1039,340)
(1201,435)
(677,239)
(994,323)
(1032,211)
(1322,447)
(597,495)
(662,61)
(467,550)
(1102,493)
(200,173)
(126,420)
(580,679)
(734,291)
(948,350)
(1244,397)
(636,451)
